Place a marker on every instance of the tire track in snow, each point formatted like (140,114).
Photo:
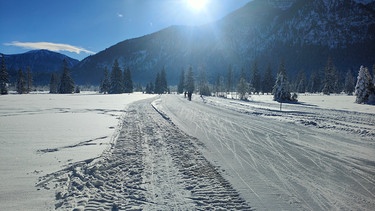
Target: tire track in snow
(152,165)
(287,165)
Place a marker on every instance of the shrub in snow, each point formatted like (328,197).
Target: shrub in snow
(364,87)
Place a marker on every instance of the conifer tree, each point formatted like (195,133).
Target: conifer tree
(180,86)
(204,89)
(330,78)
(128,82)
(21,89)
(349,83)
(189,82)
(53,84)
(281,91)
(29,80)
(314,84)
(268,80)
(301,83)
(255,78)
(229,79)
(364,85)
(157,88)
(66,84)
(105,84)
(242,87)
(4,77)
(116,79)
(163,81)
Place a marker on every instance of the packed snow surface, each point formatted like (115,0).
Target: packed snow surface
(102,152)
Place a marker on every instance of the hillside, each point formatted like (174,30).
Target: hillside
(41,62)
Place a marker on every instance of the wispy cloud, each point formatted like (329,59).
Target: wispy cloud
(49,46)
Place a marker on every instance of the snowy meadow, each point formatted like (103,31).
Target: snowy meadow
(41,134)
(74,127)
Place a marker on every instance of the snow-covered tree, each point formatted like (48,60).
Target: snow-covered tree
(66,84)
(349,83)
(315,82)
(364,85)
(105,84)
(4,77)
(204,89)
(116,86)
(281,91)
(21,89)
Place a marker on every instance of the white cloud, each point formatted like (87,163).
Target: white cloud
(120,15)
(49,46)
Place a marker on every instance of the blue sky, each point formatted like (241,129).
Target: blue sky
(79,28)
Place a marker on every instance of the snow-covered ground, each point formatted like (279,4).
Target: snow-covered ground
(104,152)
(74,127)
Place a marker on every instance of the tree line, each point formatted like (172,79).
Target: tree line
(117,81)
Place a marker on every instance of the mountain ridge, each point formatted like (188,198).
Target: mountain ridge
(303,34)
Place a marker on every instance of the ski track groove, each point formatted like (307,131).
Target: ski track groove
(152,165)
(288,165)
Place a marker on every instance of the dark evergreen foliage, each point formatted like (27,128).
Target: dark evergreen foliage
(128,82)
(66,84)
(180,86)
(330,78)
(268,80)
(230,79)
(117,86)
(242,87)
(349,83)
(255,81)
(53,84)
(315,82)
(21,88)
(105,84)
(4,77)
(29,80)
(189,80)
(161,85)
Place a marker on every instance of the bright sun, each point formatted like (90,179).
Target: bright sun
(197,5)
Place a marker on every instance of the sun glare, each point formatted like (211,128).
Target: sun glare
(197,5)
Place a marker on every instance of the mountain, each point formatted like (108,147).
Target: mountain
(41,62)
(303,34)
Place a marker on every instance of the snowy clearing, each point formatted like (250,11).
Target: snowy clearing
(74,127)
(169,153)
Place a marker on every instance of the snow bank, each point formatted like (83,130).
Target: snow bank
(42,133)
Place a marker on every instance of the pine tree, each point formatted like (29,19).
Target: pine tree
(330,78)
(21,89)
(4,77)
(363,86)
(281,91)
(255,78)
(105,84)
(349,83)
(116,86)
(66,84)
(229,79)
(157,88)
(53,84)
(268,80)
(163,81)
(180,86)
(204,89)
(242,87)
(301,82)
(128,82)
(29,80)
(314,84)
(189,82)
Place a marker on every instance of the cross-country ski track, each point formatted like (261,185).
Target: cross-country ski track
(210,153)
